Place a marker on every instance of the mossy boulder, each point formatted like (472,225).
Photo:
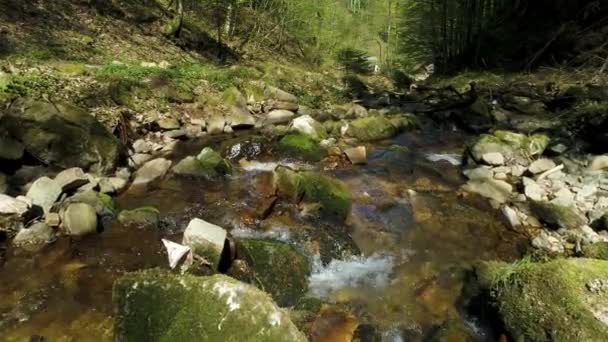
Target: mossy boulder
(208,164)
(598,250)
(510,144)
(279,269)
(155,305)
(372,128)
(144,216)
(302,145)
(558,300)
(61,134)
(558,216)
(314,187)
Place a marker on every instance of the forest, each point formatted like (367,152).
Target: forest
(304,170)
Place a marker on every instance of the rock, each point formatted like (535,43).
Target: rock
(558,149)
(144,216)
(80,219)
(518,170)
(112,185)
(371,128)
(176,134)
(302,146)
(532,190)
(194,131)
(493,158)
(240,118)
(356,111)
(233,97)
(279,116)
(168,123)
(511,216)
(155,305)
(151,171)
(61,134)
(356,155)
(52,220)
(123,173)
(599,163)
(239,148)
(103,203)
(12,206)
(3,184)
(479,117)
(72,178)
(143,146)
(555,296)
(215,124)
(557,216)
(272,105)
(206,240)
(44,192)
(10,148)
(564,198)
(541,165)
(139,159)
(35,235)
(207,164)
(272,93)
(497,190)
(39,233)
(278,268)
(308,126)
(547,243)
(513,146)
(228,130)
(479,173)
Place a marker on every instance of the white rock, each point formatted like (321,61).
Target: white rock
(356,155)
(142,146)
(479,173)
(279,116)
(308,126)
(500,176)
(12,206)
(80,219)
(152,171)
(541,165)
(563,197)
(517,170)
(532,190)
(599,163)
(71,178)
(175,252)
(493,158)
(511,216)
(548,243)
(205,239)
(112,185)
(44,192)
(35,235)
(496,190)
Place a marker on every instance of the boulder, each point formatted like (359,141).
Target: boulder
(151,171)
(208,163)
(71,178)
(61,134)
(278,268)
(12,206)
(308,126)
(206,240)
(44,192)
(279,116)
(511,216)
(176,134)
(240,118)
(273,93)
(80,219)
(144,216)
(34,236)
(168,123)
(139,159)
(155,305)
(557,216)
(559,300)
(112,185)
(301,145)
(541,165)
(493,158)
(497,190)
(356,155)
(371,128)
(599,163)
(513,146)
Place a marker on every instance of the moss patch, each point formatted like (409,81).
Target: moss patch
(598,250)
(302,145)
(372,128)
(548,301)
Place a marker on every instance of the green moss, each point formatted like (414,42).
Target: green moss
(287,182)
(107,202)
(302,145)
(548,301)
(598,250)
(156,305)
(331,193)
(144,216)
(372,128)
(208,163)
(70,68)
(233,97)
(279,269)
(557,216)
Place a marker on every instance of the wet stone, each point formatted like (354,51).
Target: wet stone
(80,219)
(44,192)
(71,178)
(206,240)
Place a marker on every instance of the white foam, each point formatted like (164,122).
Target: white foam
(256,166)
(372,271)
(276,233)
(454,159)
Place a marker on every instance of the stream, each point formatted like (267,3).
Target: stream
(416,236)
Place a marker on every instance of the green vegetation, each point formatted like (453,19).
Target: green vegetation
(302,145)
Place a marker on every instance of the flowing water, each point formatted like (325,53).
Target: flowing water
(416,236)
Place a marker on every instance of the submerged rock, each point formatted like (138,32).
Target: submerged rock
(144,216)
(302,145)
(206,240)
(34,236)
(154,305)
(550,301)
(62,134)
(278,268)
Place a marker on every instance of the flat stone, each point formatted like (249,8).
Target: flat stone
(206,240)
(599,163)
(541,165)
(198,122)
(112,185)
(356,155)
(152,171)
(80,219)
(35,235)
(518,170)
(72,178)
(479,173)
(279,116)
(532,190)
(12,206)
(493,158)
(500,176)
(142,146)
(168,123)
(176,134)
(44,192)
(564,197)
(496,190)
